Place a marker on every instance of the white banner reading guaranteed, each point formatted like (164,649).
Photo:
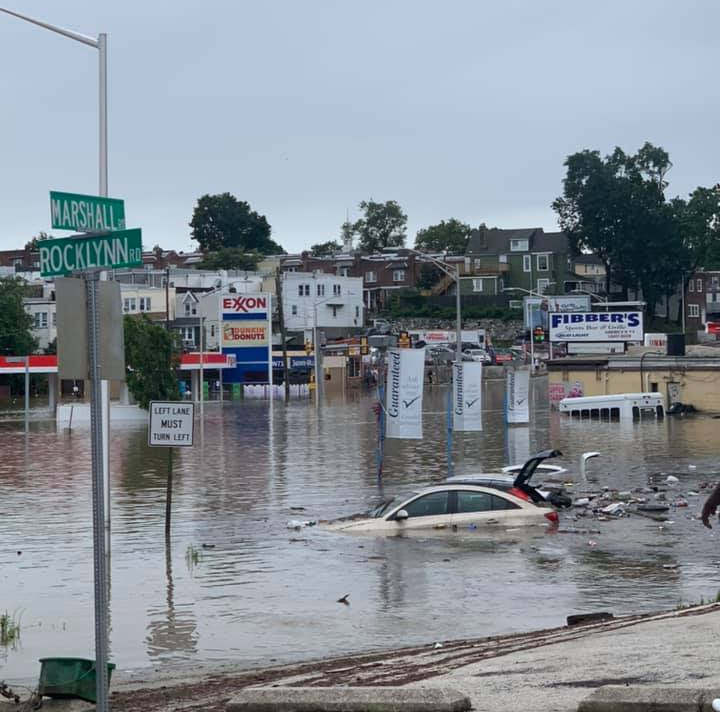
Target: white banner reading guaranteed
(467,396)
(403,399)
(517,392)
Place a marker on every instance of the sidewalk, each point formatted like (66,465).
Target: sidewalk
(552,670)
(542,671)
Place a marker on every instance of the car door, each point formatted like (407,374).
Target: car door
(480,508)
(426,511)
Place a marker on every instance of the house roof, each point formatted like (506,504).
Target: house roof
(497,241)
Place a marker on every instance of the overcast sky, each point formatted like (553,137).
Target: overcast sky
(454,108)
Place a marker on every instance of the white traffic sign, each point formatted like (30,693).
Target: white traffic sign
(171,424)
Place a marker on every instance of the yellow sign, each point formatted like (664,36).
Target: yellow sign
(239,334)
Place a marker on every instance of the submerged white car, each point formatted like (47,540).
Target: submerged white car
(449,506)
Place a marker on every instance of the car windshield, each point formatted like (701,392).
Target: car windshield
(388,504)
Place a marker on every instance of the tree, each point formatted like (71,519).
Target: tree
(447,236)
(32,244)
(152,355)
(222,220)
(429,276)
(230,258)
(383,225)
(325,249)
(15,323)
(616,209)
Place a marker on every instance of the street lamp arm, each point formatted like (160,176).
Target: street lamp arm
(92,42)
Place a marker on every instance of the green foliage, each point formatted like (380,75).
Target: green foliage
(231,258)
(15,323)
(325,249)
(152,355)
(429,276)
(9,629)
(222,220)
(447,236)
(383,225)
(409,304)
(615,207)
(33,243)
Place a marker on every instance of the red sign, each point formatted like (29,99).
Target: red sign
(244,304)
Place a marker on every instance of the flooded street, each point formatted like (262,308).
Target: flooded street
(240,586)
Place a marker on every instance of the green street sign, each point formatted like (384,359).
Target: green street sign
(117,249)
(86,213)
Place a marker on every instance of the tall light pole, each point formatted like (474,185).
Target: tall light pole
(532,339)
(99,410)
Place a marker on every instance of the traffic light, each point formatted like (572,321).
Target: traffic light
(538,335)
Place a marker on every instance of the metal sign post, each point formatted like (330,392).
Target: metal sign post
(98,492)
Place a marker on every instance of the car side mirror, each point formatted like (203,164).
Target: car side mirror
(401,515)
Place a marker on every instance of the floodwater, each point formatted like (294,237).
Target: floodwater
(240,586)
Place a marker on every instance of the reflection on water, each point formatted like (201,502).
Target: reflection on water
(259,591)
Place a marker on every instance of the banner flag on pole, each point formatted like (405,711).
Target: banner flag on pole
(467,396)
(404,394)
(517,392)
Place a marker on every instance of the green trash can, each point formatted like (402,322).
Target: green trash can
(69,678)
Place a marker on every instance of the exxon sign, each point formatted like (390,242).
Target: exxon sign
(244,303)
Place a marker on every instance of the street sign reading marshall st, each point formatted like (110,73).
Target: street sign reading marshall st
(86,213)
(122,248)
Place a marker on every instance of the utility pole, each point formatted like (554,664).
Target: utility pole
(283,339)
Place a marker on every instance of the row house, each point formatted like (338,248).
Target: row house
(330,302)
(381,274)
(702,300)
(527,260)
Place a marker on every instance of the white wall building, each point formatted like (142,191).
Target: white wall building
(337,301)
(141,299)
(42,310)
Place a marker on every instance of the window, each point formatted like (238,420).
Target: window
(698,285)
(543,263)
(527,263)
(145,304)
(691,286)
(130,305)
(542,285)
(357,312)
(54,319)
(477,285)
(212,330)
(188,333)
(482,502)
(398,275)
(293,309)
(518,245)
(694,310)
(337,290)
(473,502)
(431,505)
(303,290)
(344,271)
(370,276)
(190,309)
(321,290)
(502,259)
(41,320)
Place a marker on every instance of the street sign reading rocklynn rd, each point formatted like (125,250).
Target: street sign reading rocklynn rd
(117,249)
(86,213)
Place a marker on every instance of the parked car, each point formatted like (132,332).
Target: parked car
(449,506)
(516,480)
(477,355)
(439,354)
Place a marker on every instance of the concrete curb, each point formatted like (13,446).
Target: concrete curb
(622,698)
(349,699)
